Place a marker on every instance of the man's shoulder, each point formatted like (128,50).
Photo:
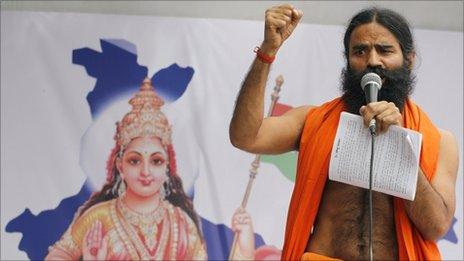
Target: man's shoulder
(300,110)
(335,105)
(300,113)
(445,132)
(447,137)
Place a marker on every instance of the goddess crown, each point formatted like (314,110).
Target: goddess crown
(145,118)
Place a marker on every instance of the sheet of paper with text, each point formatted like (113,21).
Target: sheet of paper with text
(396,157)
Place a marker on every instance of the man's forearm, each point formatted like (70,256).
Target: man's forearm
(249,107)
(279,23)
(429,211)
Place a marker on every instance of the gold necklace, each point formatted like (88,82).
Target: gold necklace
(136,218)
(146,223)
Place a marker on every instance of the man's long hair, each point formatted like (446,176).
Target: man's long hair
(394,22)
(399,82)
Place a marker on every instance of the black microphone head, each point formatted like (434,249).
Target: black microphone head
(371,78)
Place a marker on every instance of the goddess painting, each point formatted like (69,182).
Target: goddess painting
(141,212)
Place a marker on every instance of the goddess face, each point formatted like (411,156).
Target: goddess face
(144,166)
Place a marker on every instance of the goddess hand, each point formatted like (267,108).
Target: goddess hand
(94,245)
(241,224)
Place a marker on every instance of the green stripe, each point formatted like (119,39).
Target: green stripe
(286,163)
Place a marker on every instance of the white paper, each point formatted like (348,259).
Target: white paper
(396,157)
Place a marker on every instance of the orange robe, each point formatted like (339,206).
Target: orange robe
(312,171)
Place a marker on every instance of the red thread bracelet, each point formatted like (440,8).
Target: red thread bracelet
(262,56)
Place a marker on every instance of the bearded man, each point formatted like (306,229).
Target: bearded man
(328,219)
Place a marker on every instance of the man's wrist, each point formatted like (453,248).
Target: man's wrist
(268,49)
(264,58)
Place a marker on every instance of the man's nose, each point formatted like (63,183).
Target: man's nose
(374,59)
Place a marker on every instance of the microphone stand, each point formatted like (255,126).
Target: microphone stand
(371,252)
(371,83)
(255,163)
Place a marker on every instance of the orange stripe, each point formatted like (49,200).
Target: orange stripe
(316,257)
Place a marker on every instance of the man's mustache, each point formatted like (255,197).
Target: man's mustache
(389,76)
(397,85)
(357,75)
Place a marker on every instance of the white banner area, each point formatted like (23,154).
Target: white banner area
(66,79)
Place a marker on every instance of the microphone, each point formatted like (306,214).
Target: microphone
(371,85)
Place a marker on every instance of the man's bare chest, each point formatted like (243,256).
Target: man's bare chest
(342,225)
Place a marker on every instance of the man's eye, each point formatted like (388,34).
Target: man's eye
(386,50)
(359,52)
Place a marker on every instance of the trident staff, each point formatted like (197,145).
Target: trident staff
(255,164)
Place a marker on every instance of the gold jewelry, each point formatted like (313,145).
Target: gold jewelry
(122,187)
(145,119)
(169,233)
(136,218)
(147,223)
(121,231)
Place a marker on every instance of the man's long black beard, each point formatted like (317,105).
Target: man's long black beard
(397,86)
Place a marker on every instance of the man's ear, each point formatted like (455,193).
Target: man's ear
(411,58)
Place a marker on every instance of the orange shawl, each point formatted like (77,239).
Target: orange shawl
(313,165)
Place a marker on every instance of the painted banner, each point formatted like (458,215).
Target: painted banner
(82,93)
